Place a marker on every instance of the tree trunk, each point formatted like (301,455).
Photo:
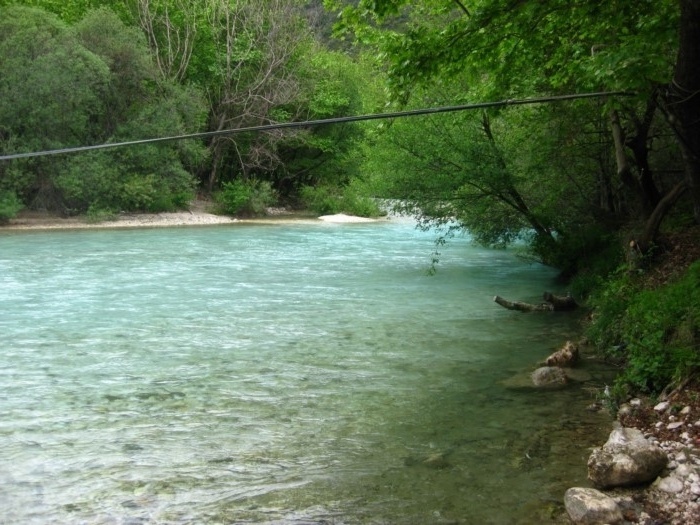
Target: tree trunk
(554,303)
(684,97)
(652,225)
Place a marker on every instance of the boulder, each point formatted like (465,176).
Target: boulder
(525,381)
(549,376)
(566,356)
(591,507)
(626,459)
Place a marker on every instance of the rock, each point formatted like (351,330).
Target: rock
(626,459)
(566,356)
(670,484)
(549,376)
(624,410)
(436,461)
(524,380)
(662,407)
(685,411)
(591,507)
(636,402)
(674,425)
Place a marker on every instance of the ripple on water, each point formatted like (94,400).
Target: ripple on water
(282,374)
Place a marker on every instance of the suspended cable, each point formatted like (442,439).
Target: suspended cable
(310,123)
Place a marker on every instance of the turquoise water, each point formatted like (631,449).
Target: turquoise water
(288,374)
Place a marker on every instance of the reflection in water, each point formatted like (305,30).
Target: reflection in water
(278,374)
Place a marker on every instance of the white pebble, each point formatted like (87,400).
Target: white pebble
(685,411)
(662,407)
(683,471)
(674,425)
(670,484)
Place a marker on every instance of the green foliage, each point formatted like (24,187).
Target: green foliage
(246,197)
(518,47)
(598,258)
(505,177)
(89,83)
(662,333)
(656,333)
(330,200)
(68,11)
(96,213)
(9,206)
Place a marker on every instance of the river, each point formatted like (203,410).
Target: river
(282,374)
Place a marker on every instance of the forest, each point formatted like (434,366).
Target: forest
(600,188)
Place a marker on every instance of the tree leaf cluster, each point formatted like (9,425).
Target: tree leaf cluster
(91,72)
(89,83)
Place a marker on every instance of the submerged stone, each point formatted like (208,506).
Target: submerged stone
(587,506)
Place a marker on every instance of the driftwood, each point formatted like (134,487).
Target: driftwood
(553,303)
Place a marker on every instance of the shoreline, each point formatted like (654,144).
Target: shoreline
(197,216)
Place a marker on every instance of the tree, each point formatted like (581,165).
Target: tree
(683,97)
(50,91)
(64,86)
(253,82)
(504,175)
(509,48)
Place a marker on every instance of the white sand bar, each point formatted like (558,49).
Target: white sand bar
(341,217)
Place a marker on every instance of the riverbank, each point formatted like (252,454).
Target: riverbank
(200,213)
(670,421)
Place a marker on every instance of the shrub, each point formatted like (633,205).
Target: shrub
(9,206)
(246,197)
(321,200)
(325,200)
(96,213)
(655,333)
(610,303)
(661,329)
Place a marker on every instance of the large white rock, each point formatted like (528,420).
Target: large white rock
(591,507)
(341,217)
(626,459)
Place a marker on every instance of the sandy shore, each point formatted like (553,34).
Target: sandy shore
(197,216)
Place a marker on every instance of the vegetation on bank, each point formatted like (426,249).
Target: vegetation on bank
(645,316)
(591,186)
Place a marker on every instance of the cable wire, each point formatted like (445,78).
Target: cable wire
(312,123)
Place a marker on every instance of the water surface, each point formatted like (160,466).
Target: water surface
(278,374)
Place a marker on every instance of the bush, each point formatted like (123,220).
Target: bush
(95,213)
(661,329)
(9,206)
(246,197)
(655,333)
(325,200)
(321,200)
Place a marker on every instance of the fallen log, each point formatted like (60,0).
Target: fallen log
(523,307)
(560,302)
(553,303)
